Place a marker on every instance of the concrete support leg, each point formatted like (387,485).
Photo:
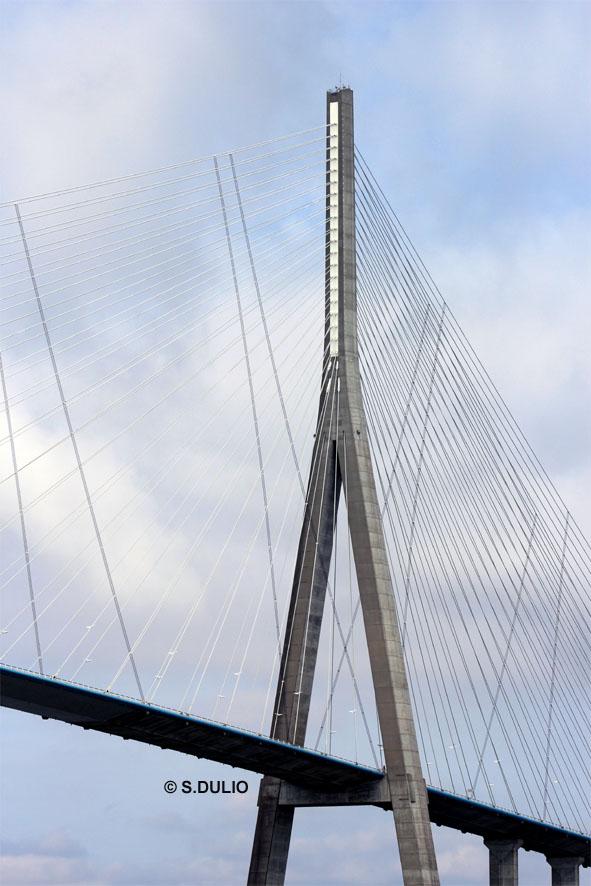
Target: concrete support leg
(294,689)
(272,837)
(401,753)
(565,871)
(503,862)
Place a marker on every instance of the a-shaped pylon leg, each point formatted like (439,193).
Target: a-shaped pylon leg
(296,676)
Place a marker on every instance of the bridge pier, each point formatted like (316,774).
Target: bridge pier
(565,870)
(272,835)
(503,861)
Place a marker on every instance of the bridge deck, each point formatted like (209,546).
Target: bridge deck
(130,719)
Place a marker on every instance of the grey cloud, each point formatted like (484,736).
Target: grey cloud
(53,844)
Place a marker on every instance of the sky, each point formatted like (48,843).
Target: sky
(475,117)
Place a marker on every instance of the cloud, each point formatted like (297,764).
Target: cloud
(41,869)
(52,858)
(491,66)
(520,296)
(463,864)
(55,843)
(78,98)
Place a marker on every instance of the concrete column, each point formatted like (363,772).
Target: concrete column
(565,871)
(270,849)
(503,861)
(403,765)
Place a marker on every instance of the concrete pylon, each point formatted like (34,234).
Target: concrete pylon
(342,457)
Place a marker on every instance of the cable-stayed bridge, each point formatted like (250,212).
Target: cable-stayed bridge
(200,363)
